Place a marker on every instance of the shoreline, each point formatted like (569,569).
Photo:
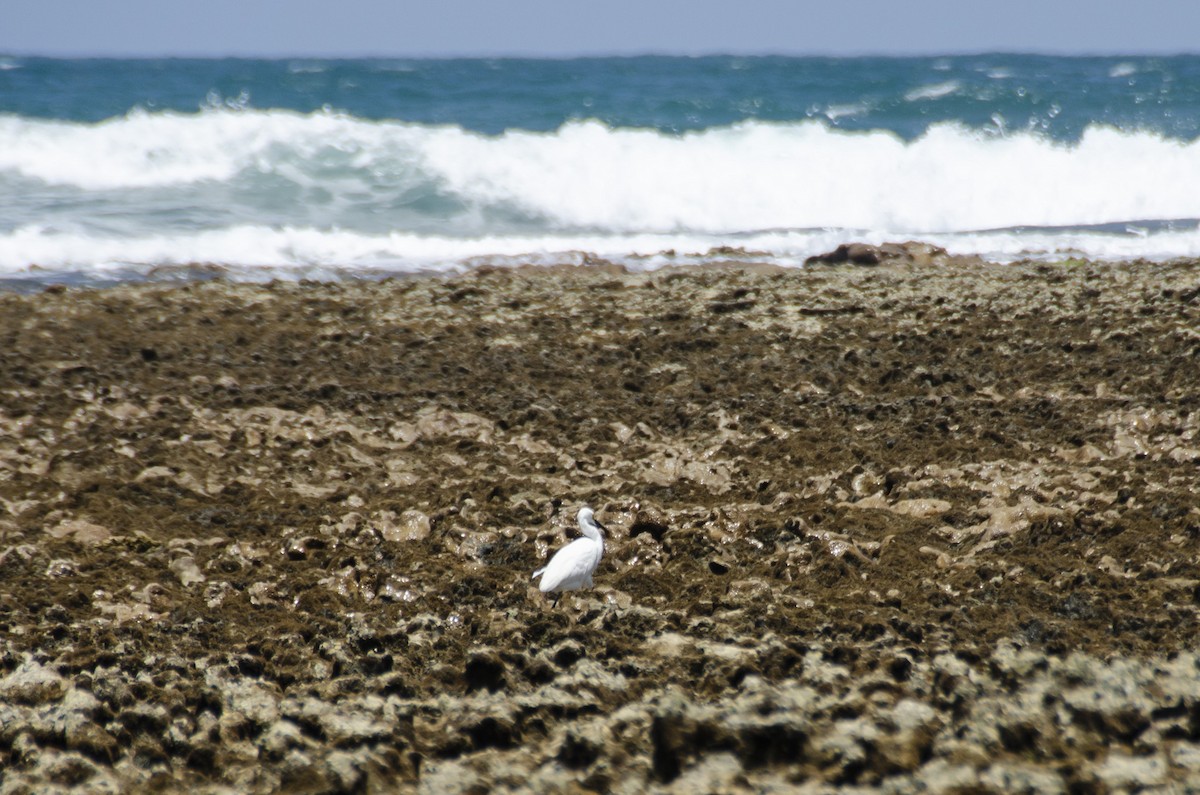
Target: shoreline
(909,252)
(865,521)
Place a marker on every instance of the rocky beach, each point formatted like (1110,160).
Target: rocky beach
(896,521)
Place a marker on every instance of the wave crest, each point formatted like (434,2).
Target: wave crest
(587,177)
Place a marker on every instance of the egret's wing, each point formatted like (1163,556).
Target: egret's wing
(570,566)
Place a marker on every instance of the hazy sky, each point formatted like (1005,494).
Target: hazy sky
(571,27)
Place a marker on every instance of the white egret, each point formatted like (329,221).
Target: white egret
(572,566)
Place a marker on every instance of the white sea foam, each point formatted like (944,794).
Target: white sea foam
(589,176)
(933,91)
(757,176)
(307,67)
(255,246)
(152,149)
(788,189)
(835,112)
(246,251)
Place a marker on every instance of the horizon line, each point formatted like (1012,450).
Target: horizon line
(598,55)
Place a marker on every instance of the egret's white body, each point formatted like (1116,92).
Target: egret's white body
(572,566)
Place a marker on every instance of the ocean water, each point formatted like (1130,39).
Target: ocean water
(150,169)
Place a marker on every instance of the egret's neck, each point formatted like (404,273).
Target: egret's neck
(590,529)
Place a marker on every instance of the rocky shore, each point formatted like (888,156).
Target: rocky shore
(911,524)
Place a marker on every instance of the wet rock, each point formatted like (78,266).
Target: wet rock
(346,770)
(749,590)
(80,531)
(1186,755)
(718,566)
(60,567)
(492,731)
(567,653)
(484,670)
(296,548)
(581,746)
(187,571)
(854,253)
(281,737)
(865,254)
(92,741)
(1014,777)
(398,589)
(69,770)
(32,683)
(477,545)
(649,520)
(411,525)
(677,734)
(1123,772)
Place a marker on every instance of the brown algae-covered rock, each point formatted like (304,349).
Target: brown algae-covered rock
(927,525)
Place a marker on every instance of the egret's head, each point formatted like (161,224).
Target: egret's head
(588,523)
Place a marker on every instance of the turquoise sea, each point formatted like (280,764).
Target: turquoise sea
(256,169)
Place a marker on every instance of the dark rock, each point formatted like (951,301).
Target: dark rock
(484,670)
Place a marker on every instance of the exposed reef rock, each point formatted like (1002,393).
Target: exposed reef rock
(929,525)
